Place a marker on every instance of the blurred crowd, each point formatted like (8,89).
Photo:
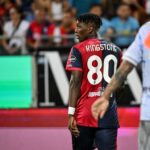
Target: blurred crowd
(27,25)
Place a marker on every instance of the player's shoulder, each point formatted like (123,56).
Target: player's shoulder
(80,45)
(83,44)
(145,26)
(110,44)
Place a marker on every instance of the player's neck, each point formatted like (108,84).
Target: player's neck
(91,36)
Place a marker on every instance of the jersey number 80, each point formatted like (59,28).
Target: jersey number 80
(97,69)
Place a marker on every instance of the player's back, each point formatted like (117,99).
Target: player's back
(98,60)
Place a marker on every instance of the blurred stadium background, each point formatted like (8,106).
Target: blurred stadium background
(35,39)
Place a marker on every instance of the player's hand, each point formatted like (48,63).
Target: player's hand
(100,107)
(73,126)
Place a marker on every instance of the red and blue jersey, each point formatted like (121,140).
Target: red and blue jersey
(37,30)
(98,60)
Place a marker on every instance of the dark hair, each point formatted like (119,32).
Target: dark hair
(18,10)
(90,18)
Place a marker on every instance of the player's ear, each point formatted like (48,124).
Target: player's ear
(91,29)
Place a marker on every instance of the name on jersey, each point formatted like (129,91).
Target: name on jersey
(101,47)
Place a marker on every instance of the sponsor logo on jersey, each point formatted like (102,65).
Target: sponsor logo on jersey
(72,59)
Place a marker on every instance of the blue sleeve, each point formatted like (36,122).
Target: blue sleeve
(75,60)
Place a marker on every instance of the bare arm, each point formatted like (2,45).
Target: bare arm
(74,93)
(118,78)
(74,88)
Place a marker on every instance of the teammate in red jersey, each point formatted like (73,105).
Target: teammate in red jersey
(92,63)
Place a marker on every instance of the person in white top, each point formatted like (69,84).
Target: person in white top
(138,52)
(15,30)
(57,9)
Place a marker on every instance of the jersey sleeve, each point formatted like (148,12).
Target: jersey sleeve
(74,60)
(134,52)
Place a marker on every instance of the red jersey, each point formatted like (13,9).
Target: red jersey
(98,60)
(37,30)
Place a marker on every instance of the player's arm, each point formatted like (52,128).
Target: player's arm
(119,77)
(101,105)
(74,93)
(74,88)
(74,64)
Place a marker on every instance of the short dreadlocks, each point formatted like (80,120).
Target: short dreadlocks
(90,18)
